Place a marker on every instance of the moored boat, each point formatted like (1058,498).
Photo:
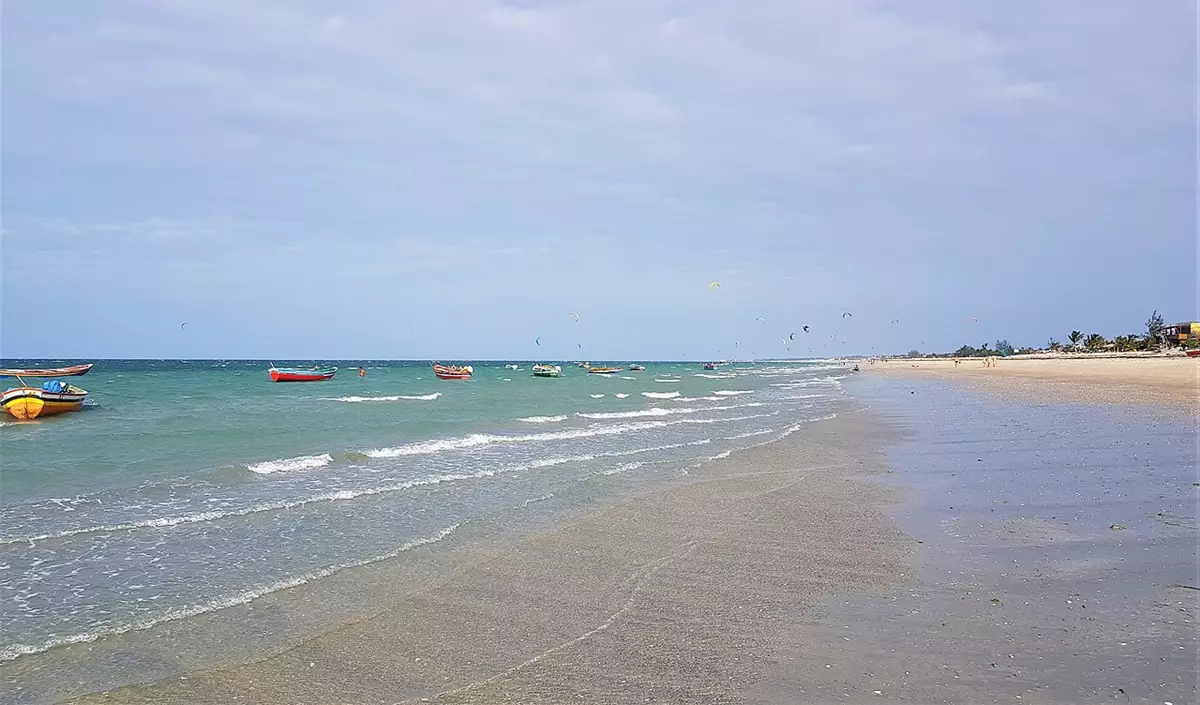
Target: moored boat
(636,368)
(541,370)
(603,370)
(1193,353)
(72,371)
(53,397)
(710,365)
(453,371)
(300,374)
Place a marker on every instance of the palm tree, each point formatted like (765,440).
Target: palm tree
(1075,337)
(1054,345)
(1095,341)
(1125,343)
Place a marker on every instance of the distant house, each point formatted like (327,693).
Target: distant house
(1182,332)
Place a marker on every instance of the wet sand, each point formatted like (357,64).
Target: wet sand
(679,595)
(1170,381)
(942,546)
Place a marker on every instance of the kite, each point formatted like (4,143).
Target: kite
(737,344)
(714,285)
(895,320)
(974,319)
(575,315)
(805,329)
(792,336)
(183,325)
(847,315)
(760,318)
(538,340)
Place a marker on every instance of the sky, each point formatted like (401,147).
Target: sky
(450,179)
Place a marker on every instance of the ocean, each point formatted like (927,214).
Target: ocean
(185,488)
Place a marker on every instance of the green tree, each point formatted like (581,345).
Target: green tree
(1054,345)
(1003,348)
(1125,343)
(966,351)
(914,353)
(1154,330)
(1075,337)
(1095,341)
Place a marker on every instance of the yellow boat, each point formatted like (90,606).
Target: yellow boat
(53,397)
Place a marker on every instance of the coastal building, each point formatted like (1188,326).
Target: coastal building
(1182,332)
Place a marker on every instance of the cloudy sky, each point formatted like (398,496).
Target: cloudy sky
(411,179)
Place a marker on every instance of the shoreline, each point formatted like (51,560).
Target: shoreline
(1169,382)
(934,546)
(675,594)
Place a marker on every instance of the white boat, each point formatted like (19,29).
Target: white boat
(546,370)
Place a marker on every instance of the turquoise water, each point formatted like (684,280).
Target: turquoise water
(184,488)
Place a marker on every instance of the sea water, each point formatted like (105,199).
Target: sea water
(185,488)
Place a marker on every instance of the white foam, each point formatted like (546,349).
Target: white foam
(653,411)
(749,434)
(480,439)
(708,376)
(660,395)
(732,392)
(596,396)
(628,377)
(669,381)
(302,462)
(622,396)
(394,397)
(699,399)
(14,651)
(543,419)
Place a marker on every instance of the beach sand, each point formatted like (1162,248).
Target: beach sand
(1156,381)
(930,544)
(679,595)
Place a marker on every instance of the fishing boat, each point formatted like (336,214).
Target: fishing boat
(1193,353)
(453,371)
(53,397)
(603,370)
(541,370)
(636,368)
(301,374)
(710,365)
(72,371)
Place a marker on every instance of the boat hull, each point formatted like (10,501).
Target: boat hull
(290,375)
(72,371)
(29,403)
(603,370)
(546,371)
(1193,353)
(443,372)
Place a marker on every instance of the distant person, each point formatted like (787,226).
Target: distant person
(362,372)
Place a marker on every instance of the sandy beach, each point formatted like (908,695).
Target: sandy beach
(1154,381)
(929,544)
(675,596)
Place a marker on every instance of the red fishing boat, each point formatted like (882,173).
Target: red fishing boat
(452,371)
(299,374)
(1193,353)
(72,371)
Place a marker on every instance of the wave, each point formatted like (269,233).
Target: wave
(596,396)
(660,395)
(543,419)
(302,462)
(732,392)
(628,377)
(622,396)
(653,411)
(669,381)
(698,398)
(14,651)
(749,434)
(708,376)
(394,397)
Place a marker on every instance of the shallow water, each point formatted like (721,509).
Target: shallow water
(190,488)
